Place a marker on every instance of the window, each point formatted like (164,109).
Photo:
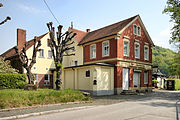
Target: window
(146,52)
(137,50)
(46,77)
(76,63)
(93,51)
(88,73)
(126,48)
(41,53)
(145,77)
(50,54)
(136,30)
(105,48)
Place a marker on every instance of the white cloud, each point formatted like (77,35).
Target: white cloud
(30,9)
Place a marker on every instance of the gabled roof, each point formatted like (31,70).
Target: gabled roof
(80,34)
(11,52)
(106,31)
(114,29)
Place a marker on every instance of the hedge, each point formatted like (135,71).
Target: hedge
(176,83)
(12,81)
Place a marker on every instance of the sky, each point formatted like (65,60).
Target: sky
(32,15)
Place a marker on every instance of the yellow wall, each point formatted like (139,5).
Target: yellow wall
(42,65)
(76,78)
(69,60)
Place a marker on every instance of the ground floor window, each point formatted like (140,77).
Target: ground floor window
(146,77)
(46,79)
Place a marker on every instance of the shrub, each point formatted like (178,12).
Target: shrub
(12,81)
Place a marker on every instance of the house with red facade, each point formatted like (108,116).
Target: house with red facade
(109,60)
(127,46)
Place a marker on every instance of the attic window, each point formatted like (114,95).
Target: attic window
(136,30)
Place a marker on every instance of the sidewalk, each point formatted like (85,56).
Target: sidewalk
(101,100)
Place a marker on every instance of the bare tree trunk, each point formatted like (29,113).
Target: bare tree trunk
(30,76)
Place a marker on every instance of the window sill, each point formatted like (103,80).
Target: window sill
(41,57)
(105,56)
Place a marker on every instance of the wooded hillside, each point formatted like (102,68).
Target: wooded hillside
(163,58)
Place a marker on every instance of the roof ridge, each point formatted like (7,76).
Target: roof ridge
(114,23)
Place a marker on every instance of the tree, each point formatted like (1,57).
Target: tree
(60,46)
(7,18)
(26,62)
(5,66)
(173,9)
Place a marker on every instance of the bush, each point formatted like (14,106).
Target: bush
(12,81)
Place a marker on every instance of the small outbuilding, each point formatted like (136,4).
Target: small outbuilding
(96,78)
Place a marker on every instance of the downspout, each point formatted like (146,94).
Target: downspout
(74,77)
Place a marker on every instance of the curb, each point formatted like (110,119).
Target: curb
(45,112)
(20,108)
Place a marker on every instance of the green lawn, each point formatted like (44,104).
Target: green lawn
(10,98)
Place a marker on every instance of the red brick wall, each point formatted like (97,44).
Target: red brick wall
(118,77)
(21,38)
(113,52)
(41,81)
(129,32)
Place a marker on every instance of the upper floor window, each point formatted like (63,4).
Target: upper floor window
(105,48)
(41,53)
(137,50)
(50,54)
(136,30)
(146,52)
(93,51)
(126,47)
(48,42)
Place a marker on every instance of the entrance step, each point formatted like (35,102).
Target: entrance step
(128,92)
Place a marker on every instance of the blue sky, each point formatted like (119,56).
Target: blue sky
(32,15)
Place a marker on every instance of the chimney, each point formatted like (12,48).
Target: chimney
(88,30)
(21,38)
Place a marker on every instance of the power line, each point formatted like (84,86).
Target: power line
(51,12)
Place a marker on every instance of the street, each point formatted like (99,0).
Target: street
(158,105)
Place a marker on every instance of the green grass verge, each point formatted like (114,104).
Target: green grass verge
(10,98)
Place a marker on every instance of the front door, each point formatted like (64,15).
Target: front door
(125,79)
(136,79)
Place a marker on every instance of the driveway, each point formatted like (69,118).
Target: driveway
(157,105)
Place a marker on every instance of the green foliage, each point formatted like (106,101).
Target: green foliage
(5,66)
(155,81)
(177,84)
(12,81)
(163,58)
(173,9)
(18,97)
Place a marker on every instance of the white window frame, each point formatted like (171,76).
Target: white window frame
(92,55)
(48,78)
(146,77)
(128,50)
(41,53)
(138,30)
(146,58)
(134,29)
(104,45)
(137,57)
(49,51)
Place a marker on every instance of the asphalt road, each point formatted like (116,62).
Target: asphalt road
(158,106)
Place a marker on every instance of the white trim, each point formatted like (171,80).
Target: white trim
(146,46)
(138,57)
(107,41)
(92,57)
(128,50)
